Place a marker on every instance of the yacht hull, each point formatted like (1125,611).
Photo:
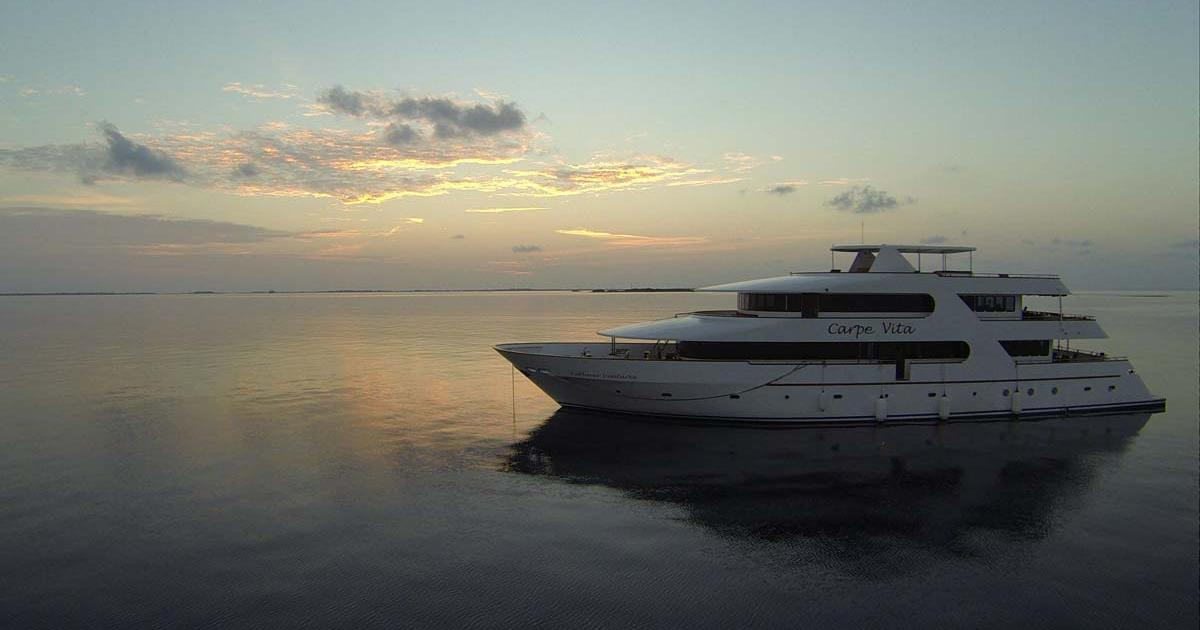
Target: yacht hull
(589,376)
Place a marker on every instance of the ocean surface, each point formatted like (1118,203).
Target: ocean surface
(367,460)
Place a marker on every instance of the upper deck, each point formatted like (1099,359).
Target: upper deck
(885,269)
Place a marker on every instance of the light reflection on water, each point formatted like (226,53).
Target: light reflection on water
(355,460)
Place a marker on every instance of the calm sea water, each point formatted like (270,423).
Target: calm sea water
(368,461)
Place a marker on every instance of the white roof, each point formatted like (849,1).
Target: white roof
(905,249)
(896,283)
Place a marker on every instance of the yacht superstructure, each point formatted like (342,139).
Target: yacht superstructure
(882,341)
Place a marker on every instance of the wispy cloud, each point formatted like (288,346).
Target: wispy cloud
(61,90)
(843,181)
(598,176)
(866,200)
(634,240)
(86,199)
(505,210)
(56,228)
(739,162)
(715,181)
(936,239)
(260,92)
(526,249)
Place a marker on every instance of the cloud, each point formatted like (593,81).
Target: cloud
(866,200)
(634,240)
(738,162)
(715,181)
(598,176)
(458,237)
(447,118)
(400,134)
(353,166)
(62,90)
(91,199)
(341,101)
(526,249)
(505,210)
(260,92)
(128,157)
(246,169)
(784,188)
(936,239)
(59,229)
(842,181)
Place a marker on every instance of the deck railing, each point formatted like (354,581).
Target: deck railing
(1048,316)
(1063,355)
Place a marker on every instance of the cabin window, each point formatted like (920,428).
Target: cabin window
(991,303)
(812,304)
(1026,347)
(900,351)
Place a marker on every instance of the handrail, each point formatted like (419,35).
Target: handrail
(1023,276)
(947,273)
(1063,355)
(718,313)
(1042,316)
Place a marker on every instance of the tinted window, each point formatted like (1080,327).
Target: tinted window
(810,304)
(832,350)
(990,303)
(1026,347)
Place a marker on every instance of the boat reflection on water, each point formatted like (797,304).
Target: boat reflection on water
(858,490)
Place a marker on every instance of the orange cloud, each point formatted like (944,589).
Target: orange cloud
(634,240)
(504,210)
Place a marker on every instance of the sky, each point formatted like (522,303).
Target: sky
(239,146)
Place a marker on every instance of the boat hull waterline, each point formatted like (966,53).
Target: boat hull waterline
(580,375)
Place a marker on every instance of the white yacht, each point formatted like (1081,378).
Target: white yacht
(882,341)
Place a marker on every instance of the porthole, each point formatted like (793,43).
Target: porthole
(666,395)
(1053,390)
(787,397)
(734,396)
(1111,387)
(974,393)
(1088,388)
(837,396)
(1029,392)
(1006,392)
(932,394)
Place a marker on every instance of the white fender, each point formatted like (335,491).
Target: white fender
(881,409)
(944,407)
(1016,401)
(823,401)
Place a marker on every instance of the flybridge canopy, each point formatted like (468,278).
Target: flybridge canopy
(889,259)
(905,249)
